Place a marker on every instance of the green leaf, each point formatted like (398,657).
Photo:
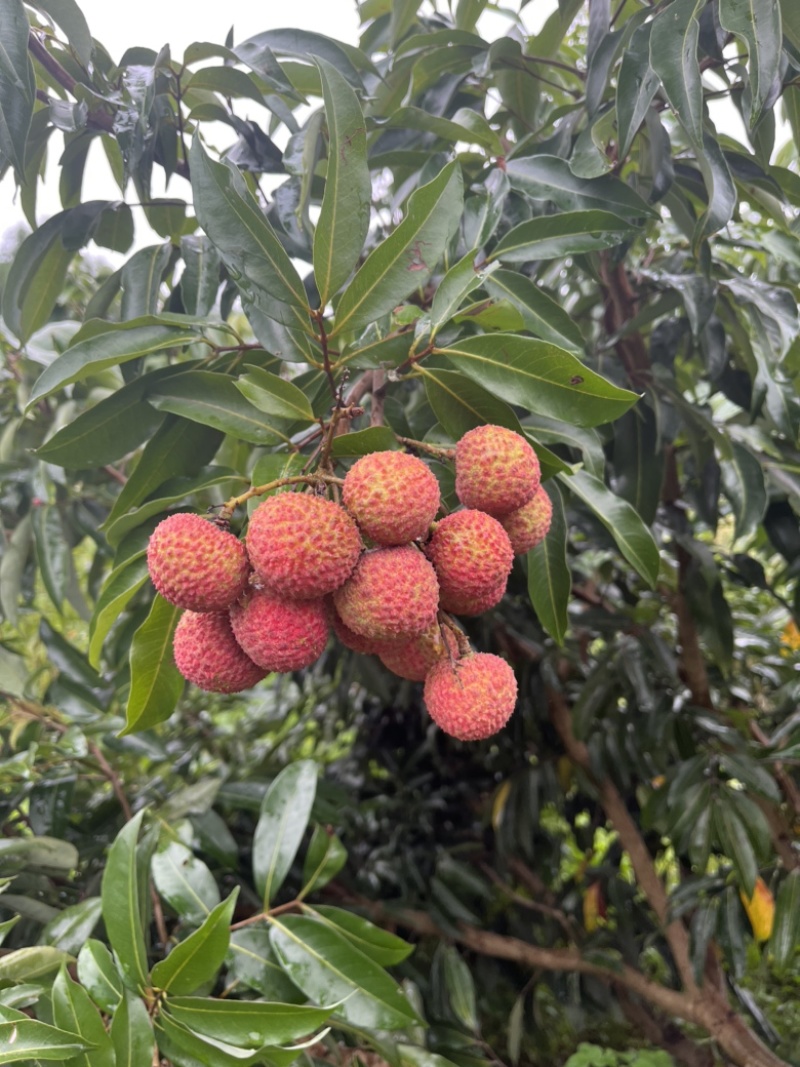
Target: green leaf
(362,442)
(99,976)
(758,24)
(196,961)
(52,553)
(720,188)
(247,1024)
(303,43)
(177,449)
(406,259)
(743,485)
(176,1041)
(325,858)
(638,461)
(566,234)
(465,125)
(201,275)
(540,377)
(140,281)
(274,395)
(549,578)
(72,926)
(457,283)
(28,964)
(112,428)
(549,178)
(122,908)
(541,315)
(115,229)
(109,348)
(673,57)
(460,989)
(328,968)
(17,84)
(633,538)
(119,589)
(254,963)
(232,218)
(156,683)
(460,404)
(586,441)
(68,17)
(285,812)
(791,21)
(36,276)
(636,87)
(735,843)
(25,1039)
(214,400)
(74,1012)
(344,218)
(379,945)
(132,1033)
(786,929)
(185,882)
(228,81)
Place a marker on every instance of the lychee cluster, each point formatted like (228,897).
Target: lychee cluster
(378,569)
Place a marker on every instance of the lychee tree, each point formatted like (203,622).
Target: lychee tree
(456,232)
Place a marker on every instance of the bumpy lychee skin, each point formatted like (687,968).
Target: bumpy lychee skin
(527,526)
(392,496)
(497,471)
(472,555)
(414,659)
(280,634)
(473,698)
(393,594)
(302,546)
(475,604)
(208,655)
(196,565)
(366,646)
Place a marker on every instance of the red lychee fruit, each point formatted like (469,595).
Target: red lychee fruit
(392,496)
(195,564)
(277,633)
(367,646)
(393,594)
(475,604)
(472,698)
(414,659)
(497,471)
(208,655)
(472,556)
(302,546)
(527,526)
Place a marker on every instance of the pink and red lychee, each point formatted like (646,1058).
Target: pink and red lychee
(472,698)
(392,594)
(472,556)
(392,496)
(527,526)
(208,655)
(277,633)
(497,471)
(196,565)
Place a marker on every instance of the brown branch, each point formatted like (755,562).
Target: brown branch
(620,308)
(378,397)
(664,1033)
(631,840)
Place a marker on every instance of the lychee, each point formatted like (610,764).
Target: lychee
(472,698)
(367,646)
(302,546)
(497,471)
(472,555)
(528,525)
(414,659)
(392,496)
(392,594)
(277,633)
(208,655)
(196,565)
(474,604)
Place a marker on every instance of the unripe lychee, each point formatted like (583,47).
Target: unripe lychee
(414,659)
(208,655)
(392,496)
(277,633)
(392,594)
(196,565)
(497,471)
(527,526)
(472,556)
(472,698)
(302,546)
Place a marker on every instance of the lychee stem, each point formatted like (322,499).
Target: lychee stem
(317,479)
(422,446)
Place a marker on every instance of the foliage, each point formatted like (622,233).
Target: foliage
(412,237)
